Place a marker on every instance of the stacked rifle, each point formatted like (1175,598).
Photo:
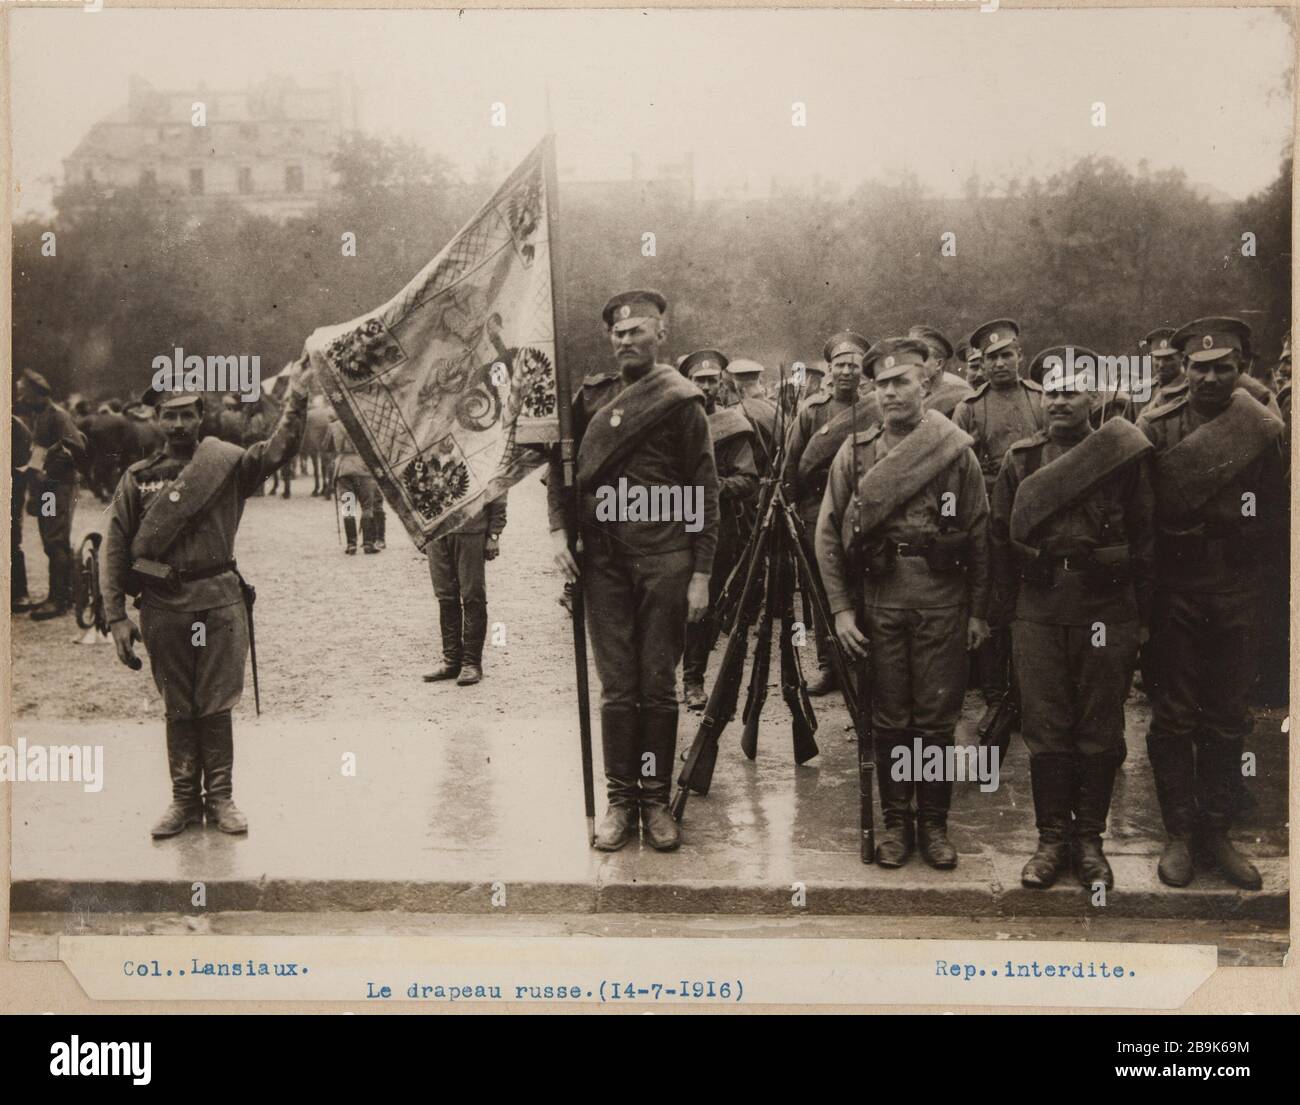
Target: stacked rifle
(760,590)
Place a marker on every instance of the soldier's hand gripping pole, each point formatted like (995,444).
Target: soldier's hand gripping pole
(697,771)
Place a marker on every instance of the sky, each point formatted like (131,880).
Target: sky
(939,93)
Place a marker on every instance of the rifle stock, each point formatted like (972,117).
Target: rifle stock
(758,675)
(697,771)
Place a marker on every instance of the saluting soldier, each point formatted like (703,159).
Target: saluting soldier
(747,382)
(733,438)
(58,451)
(1073,537)
(918,519)
(1003,410)
(820,428)
(1222,528)
(171,541)
(642,426)
(944,389)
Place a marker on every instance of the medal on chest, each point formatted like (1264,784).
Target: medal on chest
(616,417)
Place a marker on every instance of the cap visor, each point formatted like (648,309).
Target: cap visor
(1202,355)
(995,346)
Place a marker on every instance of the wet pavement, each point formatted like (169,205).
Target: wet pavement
(466,797)
(464,812)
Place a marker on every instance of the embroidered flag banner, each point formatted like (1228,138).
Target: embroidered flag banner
(444,386)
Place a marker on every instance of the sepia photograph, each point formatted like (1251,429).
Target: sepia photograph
(634,484)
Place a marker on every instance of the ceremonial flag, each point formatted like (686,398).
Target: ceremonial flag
(442,386)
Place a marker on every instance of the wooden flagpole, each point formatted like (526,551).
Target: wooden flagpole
(568,457)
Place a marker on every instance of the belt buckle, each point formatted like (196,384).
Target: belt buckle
(1068,566)
(903,548)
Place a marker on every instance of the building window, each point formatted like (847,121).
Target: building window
(196,182)
(148,178)
(293,178)
(245,182)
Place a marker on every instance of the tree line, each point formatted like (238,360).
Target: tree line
(1094,255)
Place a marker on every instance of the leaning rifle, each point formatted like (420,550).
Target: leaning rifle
(697,771)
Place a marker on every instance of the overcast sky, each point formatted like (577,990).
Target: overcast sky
(937,92)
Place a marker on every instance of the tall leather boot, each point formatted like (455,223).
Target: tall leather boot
(449,626)
(471,666)
(381,525)
(350,532)
(368,534)
(659,738)
(217,744)
(897,841)
(1218,765)
(932,802)
(1174,771)
(186,767)
(1052,778)
(59,598)
(618,738)
(1094,786)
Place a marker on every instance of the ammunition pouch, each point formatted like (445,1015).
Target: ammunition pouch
(882,560)
(1101,566)
(1112,564)
(1206,545)
(946,552)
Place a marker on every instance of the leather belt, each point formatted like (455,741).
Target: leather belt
(190,575)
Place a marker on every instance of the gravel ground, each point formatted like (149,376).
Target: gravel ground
(337,636)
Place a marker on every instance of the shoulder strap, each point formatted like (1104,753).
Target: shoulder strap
(186,498)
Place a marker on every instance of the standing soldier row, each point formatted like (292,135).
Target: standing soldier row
(1003,410)
(58,450)
(732,438)
(822,425)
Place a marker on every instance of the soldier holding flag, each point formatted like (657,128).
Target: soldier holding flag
(642,426)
